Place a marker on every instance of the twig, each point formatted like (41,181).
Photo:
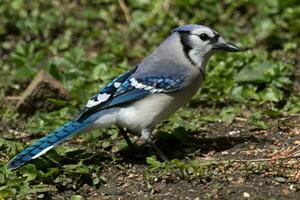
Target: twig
(3,157)
(240,119)
(291,115)
(286,116)
(125,10)
(294,155)
(293,149)
(12,98)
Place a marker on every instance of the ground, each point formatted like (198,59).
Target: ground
(231,180)
(238,161)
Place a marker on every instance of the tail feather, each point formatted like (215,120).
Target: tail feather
(46,143)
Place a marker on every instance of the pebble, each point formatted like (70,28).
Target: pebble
(246,195)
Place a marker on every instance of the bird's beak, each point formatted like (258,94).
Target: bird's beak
(225,46)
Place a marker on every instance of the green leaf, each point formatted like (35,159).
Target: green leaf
(228,114)
(29,171)
(155,164)
(271,94)
(257,120)
(252,73)
(76,197)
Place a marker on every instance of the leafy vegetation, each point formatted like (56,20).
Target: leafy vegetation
(85,44)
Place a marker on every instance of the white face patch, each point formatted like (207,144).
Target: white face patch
(205,30)
(202,46)
(201,49)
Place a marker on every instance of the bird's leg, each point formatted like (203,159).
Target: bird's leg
(123,132)
(178,171)
(158,151)
(147,136)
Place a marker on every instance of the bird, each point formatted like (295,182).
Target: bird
(143,96)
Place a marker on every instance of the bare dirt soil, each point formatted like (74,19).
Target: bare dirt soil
(248,164)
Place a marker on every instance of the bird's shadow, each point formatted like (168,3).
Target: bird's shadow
(179,144)
(183,143)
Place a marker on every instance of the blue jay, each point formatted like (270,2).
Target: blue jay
(145,95)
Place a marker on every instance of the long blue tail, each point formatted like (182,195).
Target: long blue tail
(48,142)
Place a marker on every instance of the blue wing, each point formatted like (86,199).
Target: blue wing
(128,88)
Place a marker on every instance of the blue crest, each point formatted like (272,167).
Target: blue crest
(188,27)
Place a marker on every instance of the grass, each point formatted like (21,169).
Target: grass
(85,44)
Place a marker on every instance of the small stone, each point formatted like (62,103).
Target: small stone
(157,189)
(246,195)
(239,181)
(280,179)
(224,153)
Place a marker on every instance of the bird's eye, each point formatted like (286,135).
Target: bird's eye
(203,36)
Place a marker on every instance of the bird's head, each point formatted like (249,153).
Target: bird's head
(200,42)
